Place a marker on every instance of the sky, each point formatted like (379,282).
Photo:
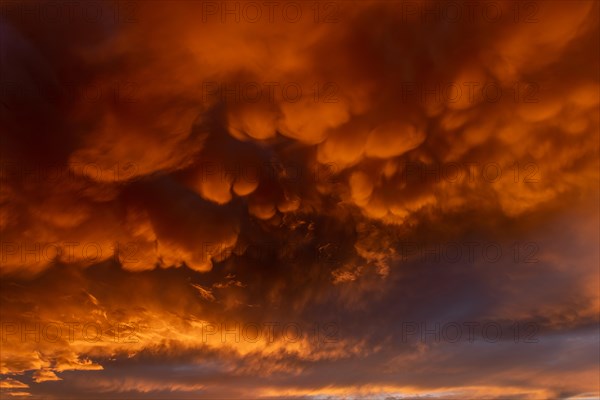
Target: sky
(299,200)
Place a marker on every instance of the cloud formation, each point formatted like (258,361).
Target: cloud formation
(292,197)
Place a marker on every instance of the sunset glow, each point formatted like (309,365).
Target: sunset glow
(300,200)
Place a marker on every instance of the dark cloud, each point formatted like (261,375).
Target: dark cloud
(194,205)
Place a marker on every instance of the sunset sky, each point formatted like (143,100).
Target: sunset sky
(299,200)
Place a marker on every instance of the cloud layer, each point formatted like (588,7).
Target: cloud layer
(337,199)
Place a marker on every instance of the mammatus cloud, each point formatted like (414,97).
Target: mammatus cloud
(294,200)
